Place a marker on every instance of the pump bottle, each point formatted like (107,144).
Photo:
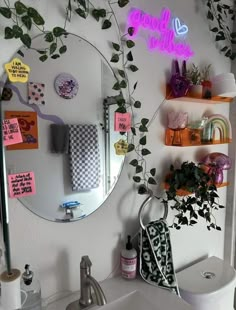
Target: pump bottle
(128,260)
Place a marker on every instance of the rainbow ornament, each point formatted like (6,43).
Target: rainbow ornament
(220,123)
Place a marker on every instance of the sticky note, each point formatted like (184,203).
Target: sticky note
(122,122)
(11,131)
(21,184)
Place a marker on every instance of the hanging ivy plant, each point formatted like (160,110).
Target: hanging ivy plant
(220,15)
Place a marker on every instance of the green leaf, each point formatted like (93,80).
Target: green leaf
(115,58)
(122,3)
(143,128)
(43,58)
(233,56)
(224,49)
(233,35)
(106,24)
(42,52)
(121,109)
(210,15)
(142,189)
(136,179)
(55,56)
(116,46)
(153,171)
(145,152)
(26,20)
(18,32)
(48,37)
(37,18)
(215,29)
(134,162)
(102,13)
(143,140)
(131,31)
(20,8)
(52,48)
(62,49)
(220,36)
(130,56)
(192,222)
(123,84)
(144,121)
(58,31)
(135,85)
(81,12)
(6,12)
(152,181)
(9,33)
(95,14)
(121,73)
(131,147)
(137,104)
(133,68)
(228,53)
(133,130)
(130,43)
(138,169)
(26,40)
(116,86)
(218,228)
(20,53)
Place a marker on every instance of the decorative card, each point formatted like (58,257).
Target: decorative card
(11,132)
(122,122)
(36,93)
(21,184)
(17,71)
(121,147)
(28,127)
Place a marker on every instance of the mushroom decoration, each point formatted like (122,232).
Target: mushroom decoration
(216,163)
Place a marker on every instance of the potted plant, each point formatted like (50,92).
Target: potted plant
(191,192)
(206,83)
(195,78)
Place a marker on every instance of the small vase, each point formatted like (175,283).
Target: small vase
(195,91)
(206,89)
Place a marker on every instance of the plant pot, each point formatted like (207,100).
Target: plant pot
(195,91)
(206,89)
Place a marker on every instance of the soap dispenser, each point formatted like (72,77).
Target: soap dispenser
(32,288)
(128,261)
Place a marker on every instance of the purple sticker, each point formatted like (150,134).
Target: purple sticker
(66,85)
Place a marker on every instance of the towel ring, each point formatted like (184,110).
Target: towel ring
(146,201)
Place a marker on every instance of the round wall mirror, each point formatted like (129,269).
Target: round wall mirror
(67,129)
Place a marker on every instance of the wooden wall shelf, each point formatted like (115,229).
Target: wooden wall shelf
(182,192)
(188,137)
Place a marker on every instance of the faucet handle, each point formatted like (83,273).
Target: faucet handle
(85,262)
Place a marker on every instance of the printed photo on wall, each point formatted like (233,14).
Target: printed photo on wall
(36,93)
(28,127)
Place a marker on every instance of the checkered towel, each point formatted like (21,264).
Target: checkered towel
(84,157)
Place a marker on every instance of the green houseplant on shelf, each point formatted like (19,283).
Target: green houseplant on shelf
(191,192)
(195,77)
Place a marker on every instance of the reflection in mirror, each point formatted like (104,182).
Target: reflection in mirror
(68,131)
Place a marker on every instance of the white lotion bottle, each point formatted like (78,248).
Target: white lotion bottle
(128,261)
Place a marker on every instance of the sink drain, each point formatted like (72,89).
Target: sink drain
(208,275)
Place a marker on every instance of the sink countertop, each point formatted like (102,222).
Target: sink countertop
(117,287)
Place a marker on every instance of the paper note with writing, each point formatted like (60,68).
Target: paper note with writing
(21,184)
(11,131)
(122,122)
(17,71)
(29,129)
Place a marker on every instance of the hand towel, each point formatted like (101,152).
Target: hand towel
(59,138)
(156,263)
(84,157)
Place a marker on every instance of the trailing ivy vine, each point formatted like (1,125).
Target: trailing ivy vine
(220,14)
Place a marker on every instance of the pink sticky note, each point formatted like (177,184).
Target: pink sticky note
(122,122)
(11,131)
(21,184)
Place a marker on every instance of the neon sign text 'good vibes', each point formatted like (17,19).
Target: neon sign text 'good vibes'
(165,42)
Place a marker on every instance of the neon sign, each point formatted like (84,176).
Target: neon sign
(165,41)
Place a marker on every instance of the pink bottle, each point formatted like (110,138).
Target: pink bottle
(128,261)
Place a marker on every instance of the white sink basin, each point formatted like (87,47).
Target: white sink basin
(133,301)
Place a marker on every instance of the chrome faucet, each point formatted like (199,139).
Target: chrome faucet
(86,283)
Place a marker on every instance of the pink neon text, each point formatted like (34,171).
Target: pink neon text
(166,36)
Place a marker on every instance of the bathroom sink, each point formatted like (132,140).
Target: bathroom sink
(133,301)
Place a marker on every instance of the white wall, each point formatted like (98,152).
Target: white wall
(54,250)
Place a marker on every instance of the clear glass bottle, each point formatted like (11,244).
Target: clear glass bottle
(32,288)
